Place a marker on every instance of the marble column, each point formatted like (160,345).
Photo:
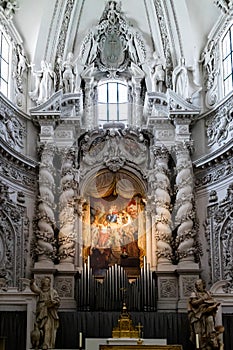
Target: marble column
(184,205)
(148,236)
(67,235)
(162,201)
(45,244)
(137,110)
(138,75)
(90,97)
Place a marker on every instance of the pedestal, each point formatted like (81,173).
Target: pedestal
(65,285)
(187,278)
(167,290)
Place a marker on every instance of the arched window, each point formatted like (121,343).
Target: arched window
(4,63)
(112,102)
(227,59)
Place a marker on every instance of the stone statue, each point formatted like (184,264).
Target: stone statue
(22,64)
(68,73)
(202,309)
(45,83)
(180,79)
(35,336)
(131,46)
(47,320)
(208,57)
(158,73)
(9,7)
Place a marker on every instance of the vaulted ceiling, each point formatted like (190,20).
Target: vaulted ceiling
(47,27)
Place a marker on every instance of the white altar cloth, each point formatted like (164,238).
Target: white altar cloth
(94,343)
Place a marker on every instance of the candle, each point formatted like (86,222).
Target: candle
(80,340)
(197,341)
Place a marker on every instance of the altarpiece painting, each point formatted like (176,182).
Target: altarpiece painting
(114,227)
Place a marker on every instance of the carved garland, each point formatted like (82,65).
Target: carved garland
(12,241)
(219,226)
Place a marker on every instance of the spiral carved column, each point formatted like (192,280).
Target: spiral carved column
(89,107)
(137,110)
(184,205)
(162,204)
(149,250)
(67,209)
(45,248)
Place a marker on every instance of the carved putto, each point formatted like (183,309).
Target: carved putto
(224,5)
(12,129)
(219,127)
(9,7)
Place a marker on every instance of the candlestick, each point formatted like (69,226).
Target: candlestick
(197,341)
(80,340)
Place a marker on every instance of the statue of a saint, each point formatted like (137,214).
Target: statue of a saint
(47,319)
(158,73)
(180,80)
(202,309)
(68,73)
(22,64)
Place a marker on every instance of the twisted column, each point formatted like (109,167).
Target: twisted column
(66,237)
(89,103)
(184,207)
(137,105)
(162,201)
(149,235)
(45,244)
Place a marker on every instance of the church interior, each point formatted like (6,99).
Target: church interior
(116,185)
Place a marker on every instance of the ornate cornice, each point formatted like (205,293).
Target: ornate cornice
(65,107)
(17,157)
(223,153)
(214,171)
(211,113)
(170,104)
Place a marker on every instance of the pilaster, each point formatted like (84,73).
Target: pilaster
(168,290)
(186,280)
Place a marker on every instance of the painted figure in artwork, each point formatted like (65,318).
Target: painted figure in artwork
(114,234)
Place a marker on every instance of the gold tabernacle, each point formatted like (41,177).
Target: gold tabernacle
(125,328)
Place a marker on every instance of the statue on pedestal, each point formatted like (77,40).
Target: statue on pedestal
(201,313)
(47,320)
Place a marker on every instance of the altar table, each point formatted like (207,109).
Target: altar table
(140,347)
(96,343)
